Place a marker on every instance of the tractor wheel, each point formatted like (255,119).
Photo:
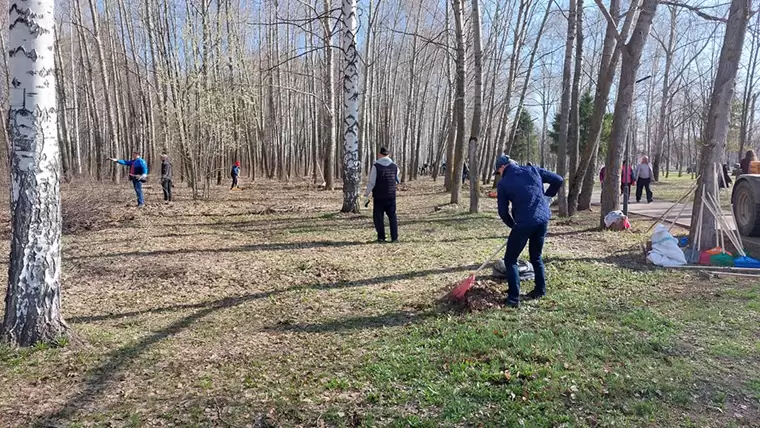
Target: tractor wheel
(746,199)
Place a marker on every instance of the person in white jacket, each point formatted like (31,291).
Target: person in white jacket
(644,176)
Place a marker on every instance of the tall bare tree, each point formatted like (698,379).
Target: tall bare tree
(459,103)
(477,108)
(574,128)
(719,117)
(631,61)
(564,122)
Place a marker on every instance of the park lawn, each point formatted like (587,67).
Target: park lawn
(673,187)
(265,307)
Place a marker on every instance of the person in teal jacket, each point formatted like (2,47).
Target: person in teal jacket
(138,172)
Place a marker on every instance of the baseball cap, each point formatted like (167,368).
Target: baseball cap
(501,161)
(384,151)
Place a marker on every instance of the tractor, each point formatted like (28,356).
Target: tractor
(746,201)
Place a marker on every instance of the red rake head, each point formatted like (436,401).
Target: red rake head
(459,291)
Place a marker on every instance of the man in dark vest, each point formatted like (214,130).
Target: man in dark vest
(166,177)
(382,182)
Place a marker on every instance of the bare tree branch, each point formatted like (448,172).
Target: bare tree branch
(696,10)
(610,21)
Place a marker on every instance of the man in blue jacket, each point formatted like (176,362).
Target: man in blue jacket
(138,172)
(523,187)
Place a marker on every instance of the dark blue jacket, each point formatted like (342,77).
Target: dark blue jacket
(523,187)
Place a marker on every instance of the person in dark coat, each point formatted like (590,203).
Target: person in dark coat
(749,157)
(382,182)
(138,173)
(726,182)
(523,188)
(166,177)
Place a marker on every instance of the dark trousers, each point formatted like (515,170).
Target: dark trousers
(622,189)
(642,183)
(534,237)
(380,208)
(166,184)
(138,190)
(234,182)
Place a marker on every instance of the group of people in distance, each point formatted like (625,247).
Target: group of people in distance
(521,187)
(138,174)
(641,177)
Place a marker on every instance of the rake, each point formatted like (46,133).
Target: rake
(459,291)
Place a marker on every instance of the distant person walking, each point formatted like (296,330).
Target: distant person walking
(166,177)
(745,163)
(644,176)
(382,182)
(235,173)
(138,172)
(626,178)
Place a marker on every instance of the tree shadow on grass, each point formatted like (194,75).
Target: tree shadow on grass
(237,300)
(630,260)
(99,378)
(390,319)
(275,246)
(573,232)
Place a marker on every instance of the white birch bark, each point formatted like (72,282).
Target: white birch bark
(351,165)
(33,299)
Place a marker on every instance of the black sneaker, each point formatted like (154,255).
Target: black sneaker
(381,241)
(533,295)
(394,241)
(513,305)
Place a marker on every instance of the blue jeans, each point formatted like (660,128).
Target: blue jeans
(520,236)
(138,190)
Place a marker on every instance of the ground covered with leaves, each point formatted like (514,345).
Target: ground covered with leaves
(265,307)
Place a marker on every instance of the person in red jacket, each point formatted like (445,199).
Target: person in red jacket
(626,177)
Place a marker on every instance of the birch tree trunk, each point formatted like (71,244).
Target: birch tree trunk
(351,165)
(719,117)
(477,107)
(33,298)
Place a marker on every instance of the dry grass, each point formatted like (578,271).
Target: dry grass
(266,307)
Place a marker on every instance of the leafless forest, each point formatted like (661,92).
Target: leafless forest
(213,81)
